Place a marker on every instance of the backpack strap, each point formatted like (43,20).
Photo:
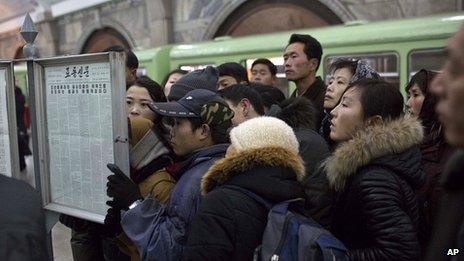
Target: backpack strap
(331,249)
(252,195)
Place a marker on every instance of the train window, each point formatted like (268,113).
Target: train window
(141,71)
(430,59)
(193,67)
(386,64)
(279,63)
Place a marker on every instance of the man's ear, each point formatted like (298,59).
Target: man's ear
(246,106)
(374,120)
(313,62)
(134,72)
(204,132)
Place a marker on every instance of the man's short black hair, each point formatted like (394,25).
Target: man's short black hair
(312,47)
(131,59)
(235,93)
(219,133)
(269,94)
(272,68)
(235,70)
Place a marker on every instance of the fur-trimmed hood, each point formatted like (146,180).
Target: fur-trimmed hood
(369,144)
(246,161)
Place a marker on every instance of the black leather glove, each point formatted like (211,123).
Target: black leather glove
(74,223)
(112,221)
(121,188)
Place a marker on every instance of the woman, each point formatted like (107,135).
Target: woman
(147,172)
(263,158)
(435,151)
(142,92)
(374,172)
(344,72)
(171,78)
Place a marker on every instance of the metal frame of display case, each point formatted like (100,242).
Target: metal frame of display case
(11,112)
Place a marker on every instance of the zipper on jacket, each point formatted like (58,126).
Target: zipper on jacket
(275,256)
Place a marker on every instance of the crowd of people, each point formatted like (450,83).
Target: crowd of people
(384,177)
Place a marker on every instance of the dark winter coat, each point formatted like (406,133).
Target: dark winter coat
(375,174)
(300,114)
(315,93)
(324,130)
(434,157)
(313,149)
(229,224)
(448,229)
(22,222)
(160,231)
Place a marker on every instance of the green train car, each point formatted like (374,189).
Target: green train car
(154,62)
(396,49)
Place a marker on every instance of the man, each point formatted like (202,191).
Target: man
(264,71)
(245,101)
(199,123)
(206,78)
(448,231)
(230,74)
(302,58)
(132,63)
(22,222)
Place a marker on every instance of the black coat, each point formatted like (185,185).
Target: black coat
(313,149)
(448,229)
(376,213)
(315,93)
(229,224)
(22,222)
(379,208)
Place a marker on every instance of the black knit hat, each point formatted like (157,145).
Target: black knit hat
(200,79)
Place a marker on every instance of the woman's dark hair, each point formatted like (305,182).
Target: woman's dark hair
(269,94)
(379,98)
(179,71)
(344,63)
(153,88)
(235,93)
(272,68)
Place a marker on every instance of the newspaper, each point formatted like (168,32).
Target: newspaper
(5,154)
(80,134)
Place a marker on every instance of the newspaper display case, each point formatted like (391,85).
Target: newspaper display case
(82,126)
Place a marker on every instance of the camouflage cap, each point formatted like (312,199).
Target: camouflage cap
(216,113)
(198,103)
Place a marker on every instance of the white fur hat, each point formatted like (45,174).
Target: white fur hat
(263,132)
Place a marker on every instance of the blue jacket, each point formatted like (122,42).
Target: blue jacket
(160,232)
